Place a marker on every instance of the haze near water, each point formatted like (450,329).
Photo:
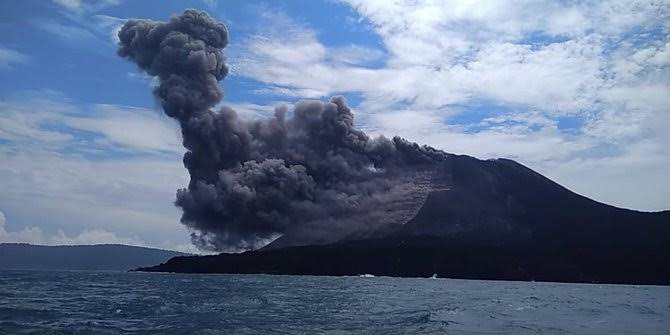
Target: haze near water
(40,302)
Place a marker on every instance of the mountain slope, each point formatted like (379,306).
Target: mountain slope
(493,219)
(80,257)
(502,201)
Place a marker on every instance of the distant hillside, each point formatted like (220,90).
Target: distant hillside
(80,257)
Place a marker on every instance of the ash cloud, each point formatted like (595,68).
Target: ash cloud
(307,175)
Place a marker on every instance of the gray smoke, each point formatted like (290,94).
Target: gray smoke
(307,175)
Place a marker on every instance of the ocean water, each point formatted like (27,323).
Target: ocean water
(41,302)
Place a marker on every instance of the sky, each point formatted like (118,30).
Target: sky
(576,90)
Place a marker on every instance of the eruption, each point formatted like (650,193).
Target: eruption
(307,175)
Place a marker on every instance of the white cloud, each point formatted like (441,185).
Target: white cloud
(636,178)
(68,4)
(355,55)
(130,127)
(603,65)
(80,7)
(80,27)
(290,59)
(35,235)
(107,25)
(51,120)
(210,3)
(9,58)
(67,32)
(131,196)
(89,170)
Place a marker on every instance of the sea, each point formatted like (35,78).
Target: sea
(80,302)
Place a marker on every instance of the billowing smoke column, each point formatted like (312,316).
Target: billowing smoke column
(308,175)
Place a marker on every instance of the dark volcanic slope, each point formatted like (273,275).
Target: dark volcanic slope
(497,220)
(501,201)
(80,257)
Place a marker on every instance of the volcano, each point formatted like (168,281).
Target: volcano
(476,219)
(333,200)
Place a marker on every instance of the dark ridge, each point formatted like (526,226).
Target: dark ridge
(111,257)
(497,219)
(425,256)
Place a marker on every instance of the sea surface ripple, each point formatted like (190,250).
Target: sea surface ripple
(70,302)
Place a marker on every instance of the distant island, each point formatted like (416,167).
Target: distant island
(497,220)
(109,257)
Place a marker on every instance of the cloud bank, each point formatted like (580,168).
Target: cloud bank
(35,235)
(572,89)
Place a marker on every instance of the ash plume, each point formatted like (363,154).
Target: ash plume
(307,175)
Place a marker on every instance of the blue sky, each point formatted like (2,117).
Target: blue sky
(577,90)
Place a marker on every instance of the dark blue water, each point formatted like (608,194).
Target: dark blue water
(39,302)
